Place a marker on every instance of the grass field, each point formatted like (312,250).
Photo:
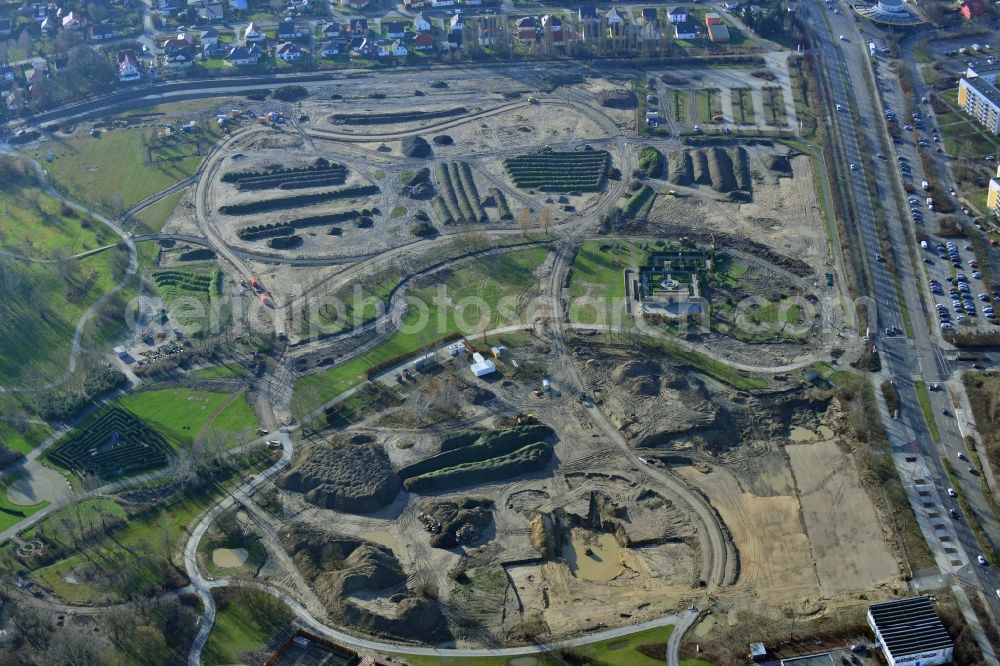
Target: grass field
(356,303)
(22,438)
(221,371)
(180,414)
(478,295)
(11,514)
(679,105)
(774,106)
(62,526)
(152,218)
(925,406)
(742,106)
(191,295)
(708,103)
(42,305)
(111,173)
(615,652)
(597,280)
(245,621)
(33,224)
(133,555)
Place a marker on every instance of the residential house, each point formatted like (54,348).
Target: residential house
(487,28)
(649,16)
(358,26)
(169,7)
(288,52)
(718,33)
(6,27)
(253,34)
(331,49)
(421,24)
(442,3)
(527,29)
(455,38)
(552,26)
(423,42)
(456,23)
(399,49)
(356,4)
(211,13)
(243,56)
(416,4)
(394,29)
(473,3)
(332,29)
(970,9)
(48,25)
(711,18)
(587,14)
(650,32)
(993,194)
(128,66)
(677,15)
(590,22)
(103,31)
(363,47)
(210,37)
(615,22)
(238,5)
(73,21)
(287,30)
(685,30)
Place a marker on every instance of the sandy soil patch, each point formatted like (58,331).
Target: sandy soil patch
(229,558)
(774,549)
(843,528)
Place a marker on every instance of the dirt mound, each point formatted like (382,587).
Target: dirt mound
(456,523)
(543,534)
(346,476)
(617,99)
(418,186)
(638,377)
(338,566)
(780,164)
(416,146)
(722,169)
(443,140)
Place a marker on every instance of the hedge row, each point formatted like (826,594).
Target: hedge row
(522,461)
(559,171)
(469,186)
(502,206)
(188,281)
(398,117)
(441,211)
(285,228)
(461,439)
(314,181)
(298,201)
(285,242)
(250,176)
(489,445)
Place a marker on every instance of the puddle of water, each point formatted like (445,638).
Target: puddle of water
(229,558)
(798,434)
(601,564)
(383,538)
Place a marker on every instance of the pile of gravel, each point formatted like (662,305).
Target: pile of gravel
(443,140)
(416,146)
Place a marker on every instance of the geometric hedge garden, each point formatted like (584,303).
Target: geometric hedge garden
(115,444)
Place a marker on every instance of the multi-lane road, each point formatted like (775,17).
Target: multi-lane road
(897,295)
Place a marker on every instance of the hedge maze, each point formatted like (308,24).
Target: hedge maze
(196,282)
(396,117)
(459,199)
(476,458)
(552,171)
(116,443)
(298,201)
(317,175)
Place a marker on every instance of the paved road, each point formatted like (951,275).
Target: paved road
(905,359)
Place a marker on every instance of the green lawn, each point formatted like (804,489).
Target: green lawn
(33,224)
(708,103)
(63,526)
(11,514)
(221,371)
(774,106)
(22,438)
(40,310)
(152,218)
(111,171)
(615,652)
(245,620)
(179,414)
(925,406)
(597,280)
(356,303)
(679,105)
(742,106)
(478,295)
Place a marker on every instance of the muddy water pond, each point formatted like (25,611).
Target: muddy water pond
(600,563)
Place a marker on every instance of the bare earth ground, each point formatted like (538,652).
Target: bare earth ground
(843,527)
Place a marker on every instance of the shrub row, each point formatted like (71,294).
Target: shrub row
(300,200)
(461,439)
(336,176)
(469,187)
(522,461)
(313,181)
(638,200)
(285,242)
(559,171)
(398,117)
(286,228)
(502,206)
(188,281)
(489,445)
(249,176)
(441,211)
